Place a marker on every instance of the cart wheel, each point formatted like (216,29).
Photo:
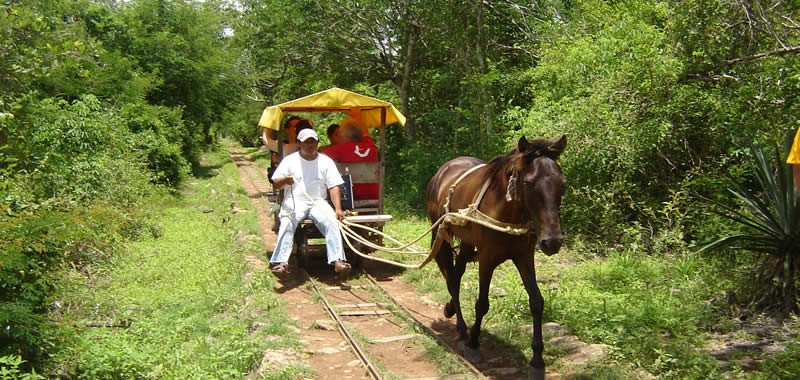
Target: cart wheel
(301,252)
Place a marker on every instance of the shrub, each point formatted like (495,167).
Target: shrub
(769,216)
(10,369)
(161,135)
(35,247)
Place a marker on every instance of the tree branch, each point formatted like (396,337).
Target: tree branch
(754,57)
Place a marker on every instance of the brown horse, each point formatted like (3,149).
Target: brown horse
(519,193)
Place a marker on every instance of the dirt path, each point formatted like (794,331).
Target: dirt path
(326,352)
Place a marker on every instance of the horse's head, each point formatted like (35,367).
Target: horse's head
(539,187)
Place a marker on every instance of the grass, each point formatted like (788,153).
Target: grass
(183,300)
(184,304)
(655,313)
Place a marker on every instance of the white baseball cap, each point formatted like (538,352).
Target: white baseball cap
(307,134)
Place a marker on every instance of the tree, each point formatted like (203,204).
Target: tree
(184,47)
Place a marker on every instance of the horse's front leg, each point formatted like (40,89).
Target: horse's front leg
(527,271)
(485,272)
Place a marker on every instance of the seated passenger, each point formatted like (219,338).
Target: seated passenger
(334,136)
(288,143)
(356,148)
(307,175)
(354,118)
(287,137)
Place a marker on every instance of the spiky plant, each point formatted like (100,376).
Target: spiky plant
(769,215)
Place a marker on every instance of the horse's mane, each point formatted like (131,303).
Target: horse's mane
(535,148)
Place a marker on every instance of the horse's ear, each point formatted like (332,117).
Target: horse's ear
(557,146)
(522,144)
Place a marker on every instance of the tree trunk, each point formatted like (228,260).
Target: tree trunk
(484,106)
(404,87)
(480,53)
(789,292)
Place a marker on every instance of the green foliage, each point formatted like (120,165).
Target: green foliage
(10,369)
(67,156)
(784,365)
(36,247)
(71,153)
(653,105)
(598,82)
(242,125)
(161,136)
(183,299)
(769,215)
(67,153)
(185,47)
(81,142)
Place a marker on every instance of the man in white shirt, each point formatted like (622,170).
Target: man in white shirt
(310,176)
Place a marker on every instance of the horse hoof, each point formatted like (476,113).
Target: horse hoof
(535,373)
(448,310)
(473,355)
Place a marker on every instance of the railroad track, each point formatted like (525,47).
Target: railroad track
(370,320)
(385,337)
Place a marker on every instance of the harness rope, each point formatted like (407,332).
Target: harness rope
(458,218)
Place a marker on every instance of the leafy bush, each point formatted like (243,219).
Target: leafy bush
(161,137)
(66,153)
(36,246)
(241,125)
(785,364)
(10,369)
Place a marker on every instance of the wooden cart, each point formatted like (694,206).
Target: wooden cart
(374,114)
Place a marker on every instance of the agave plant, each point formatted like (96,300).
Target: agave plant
(769,215)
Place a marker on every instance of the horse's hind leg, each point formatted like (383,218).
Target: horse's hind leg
(465,254)
(527,272)
(452,275)
(485,272)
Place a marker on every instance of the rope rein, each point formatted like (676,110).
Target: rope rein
(457,218)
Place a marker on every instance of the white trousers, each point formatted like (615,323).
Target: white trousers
(323,216)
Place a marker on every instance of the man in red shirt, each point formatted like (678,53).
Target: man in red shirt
(355,148)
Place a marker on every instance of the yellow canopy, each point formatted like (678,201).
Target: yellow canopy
(334,100)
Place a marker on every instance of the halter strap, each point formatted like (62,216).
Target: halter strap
(461,178)
(471,212)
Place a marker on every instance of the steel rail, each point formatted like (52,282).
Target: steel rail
(370,368)
(373,372)
(427,329)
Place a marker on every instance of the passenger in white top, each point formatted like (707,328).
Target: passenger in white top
(310,176)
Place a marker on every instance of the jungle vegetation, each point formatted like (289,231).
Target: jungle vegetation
(106,103)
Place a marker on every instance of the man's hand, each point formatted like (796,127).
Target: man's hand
(336,199)
(283,181)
